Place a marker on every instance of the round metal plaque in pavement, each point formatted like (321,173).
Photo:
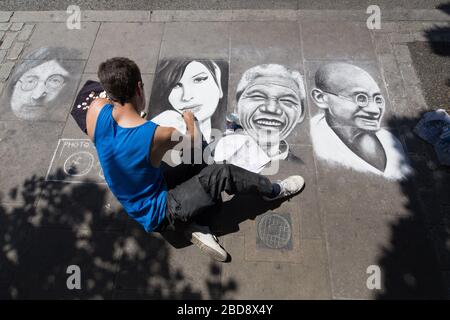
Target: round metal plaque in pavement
(274,231)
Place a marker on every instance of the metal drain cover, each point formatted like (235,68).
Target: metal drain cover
(274,231)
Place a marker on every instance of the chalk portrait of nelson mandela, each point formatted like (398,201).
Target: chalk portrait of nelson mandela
(270,102)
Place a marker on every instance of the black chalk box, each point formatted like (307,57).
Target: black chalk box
(90,90)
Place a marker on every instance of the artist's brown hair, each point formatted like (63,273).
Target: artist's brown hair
(119,77)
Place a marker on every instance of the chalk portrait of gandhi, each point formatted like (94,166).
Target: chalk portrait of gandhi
(348,130)
(37,83)
(270,103)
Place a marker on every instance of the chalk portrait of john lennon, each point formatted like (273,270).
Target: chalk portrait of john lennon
(187,84)
(347,130)
(39,83)
(270,103)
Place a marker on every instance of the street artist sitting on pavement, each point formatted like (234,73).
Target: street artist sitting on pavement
(130,150)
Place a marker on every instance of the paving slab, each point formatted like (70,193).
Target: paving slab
(5,70)
(354,244)
(58,35)
(190,15)
(320,41)
(431,64)
(91,207)
(40,16)
(19,140)
(387,197)
(15,51)
(26,32)
(440,234)
(142,44)
(8,39)
(151,268)
(438,211)
(16,26)
(409,74)
(310,221)
(382,43)
(265,15)
(43,272)
(305,280)
(4,26)
(5,16)
(196,40)
(392,76)
(115,15)
(401,37)
(402,53)
(254,43)
(332,15)
(14,228)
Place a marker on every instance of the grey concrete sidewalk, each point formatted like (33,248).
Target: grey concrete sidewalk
(318,245)
(27,5)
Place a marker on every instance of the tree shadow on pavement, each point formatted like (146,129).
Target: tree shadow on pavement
(439,43)
(416,265)
(413,264)
(61,224)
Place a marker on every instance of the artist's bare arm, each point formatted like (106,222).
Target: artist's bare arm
(92,114)
(166,138)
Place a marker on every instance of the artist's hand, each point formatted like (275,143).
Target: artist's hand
(191,125)
(188,117)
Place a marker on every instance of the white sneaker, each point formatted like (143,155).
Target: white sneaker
(289,187)
(202,237)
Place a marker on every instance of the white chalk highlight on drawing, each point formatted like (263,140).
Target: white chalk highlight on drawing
(329,147)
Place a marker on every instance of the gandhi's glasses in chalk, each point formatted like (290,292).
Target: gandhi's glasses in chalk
(55,81)
(362,99)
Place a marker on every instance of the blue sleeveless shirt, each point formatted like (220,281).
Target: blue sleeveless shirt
(124,155)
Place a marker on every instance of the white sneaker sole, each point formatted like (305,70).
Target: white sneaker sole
(217,255)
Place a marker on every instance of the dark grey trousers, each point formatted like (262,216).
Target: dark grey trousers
(194,188)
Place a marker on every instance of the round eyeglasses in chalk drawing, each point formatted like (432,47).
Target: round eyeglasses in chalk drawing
(42,83)
(37,88)
(347,129)
(79,164)
(274,230)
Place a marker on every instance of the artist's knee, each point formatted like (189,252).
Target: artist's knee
(220,169)
(225,167)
